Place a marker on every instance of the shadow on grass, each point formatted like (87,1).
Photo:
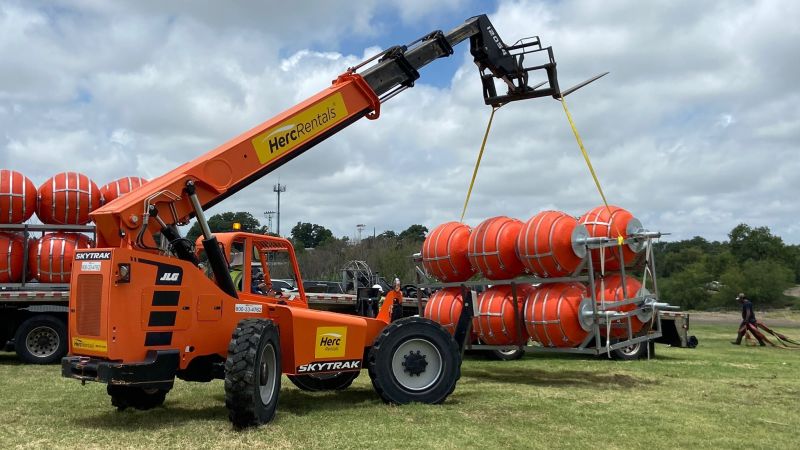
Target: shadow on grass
(9,359)
(538,377)
(294,402)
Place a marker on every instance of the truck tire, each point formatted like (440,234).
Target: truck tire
(253,373)
(123,397)
(324,382)
(414,360)
(41,339)
(634,352)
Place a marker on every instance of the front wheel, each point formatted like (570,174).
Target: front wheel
(41,339)
(253,373)
(414,360)
(324,382)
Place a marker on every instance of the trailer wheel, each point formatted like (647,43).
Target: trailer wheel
(41,339)
(634,352)
(324,382)
(123,397)
(253,373)
(506,354)
(414,360)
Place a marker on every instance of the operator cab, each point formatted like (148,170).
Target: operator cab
(260,264)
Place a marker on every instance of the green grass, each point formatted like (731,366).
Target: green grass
(715,396)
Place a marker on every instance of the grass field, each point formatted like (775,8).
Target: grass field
(715,396)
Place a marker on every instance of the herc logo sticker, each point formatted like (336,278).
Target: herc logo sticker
(299,128)
(331,342)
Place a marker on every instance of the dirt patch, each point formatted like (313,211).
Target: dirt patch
(792,292)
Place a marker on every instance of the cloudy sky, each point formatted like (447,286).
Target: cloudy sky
(696,129)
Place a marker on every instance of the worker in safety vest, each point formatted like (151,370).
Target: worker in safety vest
(748,321)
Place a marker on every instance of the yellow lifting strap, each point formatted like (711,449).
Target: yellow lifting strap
(620,239)
(478,162)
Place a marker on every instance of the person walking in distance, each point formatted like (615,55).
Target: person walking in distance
(748,321)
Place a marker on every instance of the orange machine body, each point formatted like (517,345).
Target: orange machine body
(493,248)
(17,197)
(444,253)
(170,304)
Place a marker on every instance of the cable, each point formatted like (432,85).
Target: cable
(478,162)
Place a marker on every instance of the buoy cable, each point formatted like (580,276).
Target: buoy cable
(478,162)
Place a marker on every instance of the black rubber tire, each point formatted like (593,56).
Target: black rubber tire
(512,354)
(324,382)
(634,352)
(409,334)
(254,360)
(123,397)
(41,339)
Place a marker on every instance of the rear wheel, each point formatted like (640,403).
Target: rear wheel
(253,373)
(634,352)
(41,340)
(324,382)
(414,360)
(123,397)
(507,354)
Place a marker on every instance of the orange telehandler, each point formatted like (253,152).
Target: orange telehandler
(140,315)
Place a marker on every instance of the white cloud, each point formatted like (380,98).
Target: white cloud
(695,130)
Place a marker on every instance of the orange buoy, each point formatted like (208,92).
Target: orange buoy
(610,289)
(493,248)
(17,197)
(548,244)
(67,199)
(12,248)
(494,320)
(120,187)
(554,314)
(50,259)
(444,253)
(444,307)
(612,222)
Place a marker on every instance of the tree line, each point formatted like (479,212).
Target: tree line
(693,273)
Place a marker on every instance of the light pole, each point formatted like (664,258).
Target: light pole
(268,215)
(278,188)
(360,227)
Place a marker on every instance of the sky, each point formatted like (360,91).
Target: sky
(695,130)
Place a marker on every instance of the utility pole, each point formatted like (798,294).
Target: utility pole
(268,215)
(278,188)
(360,227)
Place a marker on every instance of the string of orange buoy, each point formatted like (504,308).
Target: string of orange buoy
(620,239)
(478,162)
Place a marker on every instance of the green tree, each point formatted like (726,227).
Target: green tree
(224,222)
(414,233)
(310,235)
(756,244)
